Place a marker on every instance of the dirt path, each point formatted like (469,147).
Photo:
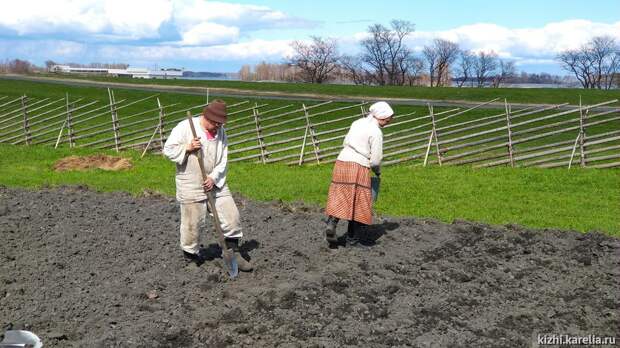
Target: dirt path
(76,267)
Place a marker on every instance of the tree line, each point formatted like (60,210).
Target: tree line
(385,59)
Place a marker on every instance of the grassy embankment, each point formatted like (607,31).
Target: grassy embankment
(514,95)
(576,199)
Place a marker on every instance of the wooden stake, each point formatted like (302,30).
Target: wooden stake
(582,134)
(508,125)
(115,125)
(162,115)
(26,125)
(70,131)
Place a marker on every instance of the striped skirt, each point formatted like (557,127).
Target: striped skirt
(350,196)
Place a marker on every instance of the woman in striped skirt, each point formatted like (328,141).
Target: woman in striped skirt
(350,196)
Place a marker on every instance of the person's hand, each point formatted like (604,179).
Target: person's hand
(377,171)
(209,184)
(193,145)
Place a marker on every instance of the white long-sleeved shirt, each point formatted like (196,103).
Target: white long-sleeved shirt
(188,176)
(363,144)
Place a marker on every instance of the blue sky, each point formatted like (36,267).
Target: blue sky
(223,35)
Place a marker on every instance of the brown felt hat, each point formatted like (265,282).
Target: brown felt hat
(215,111)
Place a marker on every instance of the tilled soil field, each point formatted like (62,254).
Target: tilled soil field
(86,269)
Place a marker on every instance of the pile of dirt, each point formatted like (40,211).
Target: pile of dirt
(84,269)
(104,162)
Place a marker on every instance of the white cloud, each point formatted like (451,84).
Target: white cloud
(253,50)
(209,34)
(199,30)
(42,49)
(196,22)
(543,42)
(133,19)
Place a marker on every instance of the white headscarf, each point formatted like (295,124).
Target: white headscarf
(381,110)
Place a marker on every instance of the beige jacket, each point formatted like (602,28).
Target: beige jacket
(188,177)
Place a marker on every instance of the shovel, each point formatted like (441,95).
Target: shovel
(227,254)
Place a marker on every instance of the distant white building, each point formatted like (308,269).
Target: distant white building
(138,73)
(170,73)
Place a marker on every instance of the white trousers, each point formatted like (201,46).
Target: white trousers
(193,218)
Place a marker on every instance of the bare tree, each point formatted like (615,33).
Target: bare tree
(431,55)
(385,52)
(19,66)
(439,57)
(353,70)
(576,62)
(594,64)
(465,67)
(507,70)
(245,73)
(316,60)
(447,54)
(605,53)
(412,69)
(484,65)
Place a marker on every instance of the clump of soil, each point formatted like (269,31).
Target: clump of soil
(104,162)
(86,269)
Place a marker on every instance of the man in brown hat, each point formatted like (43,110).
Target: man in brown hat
(211,140)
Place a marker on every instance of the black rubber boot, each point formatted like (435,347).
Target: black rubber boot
(193,258)
(353,234)
(244,265)
(330,230)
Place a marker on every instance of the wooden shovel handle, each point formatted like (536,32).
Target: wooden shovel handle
(210,199)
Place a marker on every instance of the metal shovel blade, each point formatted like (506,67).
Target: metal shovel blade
(21,339)
(375,182)
(231,262)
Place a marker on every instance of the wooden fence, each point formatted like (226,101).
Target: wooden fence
(297,134)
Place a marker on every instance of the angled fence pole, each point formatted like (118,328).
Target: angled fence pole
(259,135)
(303,147)
(508,125)
(148,144)
(315,139)
(428,147)
(434,133)
(26,124)
(64,123)
(574,149)
(157,129)
(115,129)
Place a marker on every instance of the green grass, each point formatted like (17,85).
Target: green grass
(514,95)
(578,199)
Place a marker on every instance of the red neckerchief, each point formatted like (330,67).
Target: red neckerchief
(211,135)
